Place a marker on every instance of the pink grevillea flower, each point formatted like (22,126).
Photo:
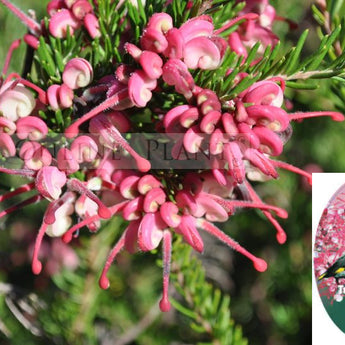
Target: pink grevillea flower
(140,87)
(110,136)
(153,37)
(66,161)
(34,155)
(85,209)
(142,199)
(236,137)
(16,102)
(31,41)
(176,73)
(7,126)
(81,8)
(54,6)
(84,149)
(31,127)
(203,53)
(49,182)
(62,22)
(78,73)
(92,25)
(7,146)
(63,220)
(60,96)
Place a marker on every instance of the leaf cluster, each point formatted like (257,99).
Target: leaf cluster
(205,305)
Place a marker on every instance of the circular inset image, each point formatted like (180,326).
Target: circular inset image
(329,257)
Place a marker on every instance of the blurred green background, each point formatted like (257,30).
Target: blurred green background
(273,308)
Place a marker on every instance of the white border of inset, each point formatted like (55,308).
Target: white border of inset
(324,330)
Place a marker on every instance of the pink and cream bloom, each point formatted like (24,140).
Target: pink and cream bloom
(78,73)
(60,96)
(61,22)
(16,101)
(92,25)
(34,155)
(32,128)
(84,149)
(7,146)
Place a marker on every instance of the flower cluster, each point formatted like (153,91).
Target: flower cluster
(77,173)
(65,17)
(330,244)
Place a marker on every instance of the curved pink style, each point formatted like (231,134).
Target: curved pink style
(264,92)
(161,22)
(60,96)
(233,156)
(176,44)
(209,121)
(153,199)
(35,155)
(270,142)
(7,126)
(7,147)
(16,102)
(84,149)
(176,73)
(49,181)
(150,231)
(189,117)
(153,40)
(147,183)
(66,95)
(133,209)
(81,8)
(151,64)
(139,88)
(196,27)
(129,187)
(190,234)
(66,161)
(78,73)
(31,127)
(193,139)
(169,213)
(201,52)
(61,22)
(92,25)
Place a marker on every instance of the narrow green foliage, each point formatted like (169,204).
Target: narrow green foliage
(223,11)
(335,7)
(293,59)
(288,66)
(204,304)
